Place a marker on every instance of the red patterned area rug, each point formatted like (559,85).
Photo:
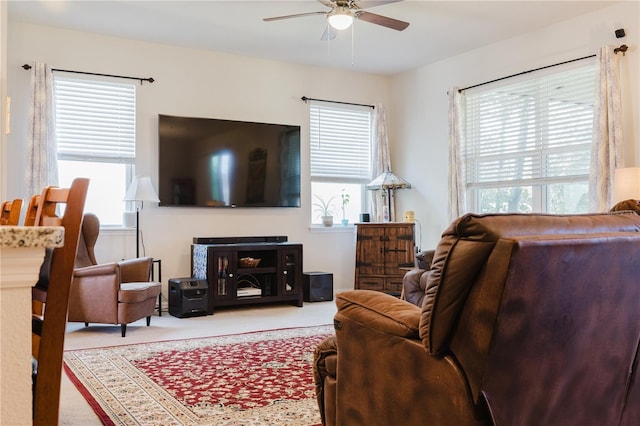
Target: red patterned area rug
(262,378)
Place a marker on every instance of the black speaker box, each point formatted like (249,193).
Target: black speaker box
(317,286)
(188,297)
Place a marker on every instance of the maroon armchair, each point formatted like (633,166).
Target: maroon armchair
(110,293)
(526,320)
(413,286)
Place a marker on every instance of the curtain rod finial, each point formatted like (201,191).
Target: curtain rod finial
(623,48)
(26,66)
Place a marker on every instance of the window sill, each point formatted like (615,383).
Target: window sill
(339,228)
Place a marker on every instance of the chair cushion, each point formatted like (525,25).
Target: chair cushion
(138,292)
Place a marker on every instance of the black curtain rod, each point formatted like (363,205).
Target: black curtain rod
(141,80)
(305,99)
(623,48)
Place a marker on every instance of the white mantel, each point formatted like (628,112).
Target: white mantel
(21,253)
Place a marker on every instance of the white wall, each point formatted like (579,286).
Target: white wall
(196,83)
(3,93)
(420,115)
(200,83)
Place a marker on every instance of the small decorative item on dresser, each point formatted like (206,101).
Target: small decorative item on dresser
(249,262)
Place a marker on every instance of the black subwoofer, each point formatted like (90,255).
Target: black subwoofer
(317,286)
(188,297)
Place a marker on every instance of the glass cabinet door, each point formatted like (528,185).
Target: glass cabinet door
(291,271)
(222,274)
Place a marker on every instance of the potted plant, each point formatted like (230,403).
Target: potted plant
(325,209)
(345,201)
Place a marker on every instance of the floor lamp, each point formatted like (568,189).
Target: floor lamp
(389,182)
(141,189)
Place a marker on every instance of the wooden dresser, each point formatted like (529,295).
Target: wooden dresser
(381,250)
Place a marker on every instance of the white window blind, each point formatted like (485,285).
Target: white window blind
(340,141)
(530,133)
(95,120)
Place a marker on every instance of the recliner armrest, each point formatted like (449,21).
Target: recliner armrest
(94,283)
(413,286)
(135,270)
(424,259)
(379,311)
(95,270)
(325,363)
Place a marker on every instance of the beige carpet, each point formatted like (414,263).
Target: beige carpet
(74,410)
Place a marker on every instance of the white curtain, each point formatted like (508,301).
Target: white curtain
(606,150)
(42,165)
(381,163)
(457,200)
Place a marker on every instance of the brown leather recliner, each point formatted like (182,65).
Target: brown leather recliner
(526,320)
(110,293)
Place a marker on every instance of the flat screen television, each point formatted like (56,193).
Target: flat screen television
(210,162)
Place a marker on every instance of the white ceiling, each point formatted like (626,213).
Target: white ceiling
(439,29)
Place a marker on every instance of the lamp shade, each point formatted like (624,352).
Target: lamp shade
(626,184)
(141,189)
(388,180)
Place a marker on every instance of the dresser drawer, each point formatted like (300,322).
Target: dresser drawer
(393,284)
(371,283)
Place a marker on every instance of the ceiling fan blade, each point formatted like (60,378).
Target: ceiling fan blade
(329,33)
(365,4)
(385,21)
(298,15)
(329,3)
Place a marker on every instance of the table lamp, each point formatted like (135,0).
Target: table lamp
(626,184)
(389,182)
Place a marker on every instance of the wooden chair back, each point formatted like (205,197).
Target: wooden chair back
(48,326)
(10,213)
(32,210)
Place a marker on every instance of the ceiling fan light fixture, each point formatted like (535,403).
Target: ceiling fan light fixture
(340,18)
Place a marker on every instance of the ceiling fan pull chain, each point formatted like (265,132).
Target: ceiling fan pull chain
(328,40)
(352,37)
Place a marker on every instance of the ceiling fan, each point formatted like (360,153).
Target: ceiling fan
(343,12)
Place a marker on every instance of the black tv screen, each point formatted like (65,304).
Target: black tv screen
(225,163)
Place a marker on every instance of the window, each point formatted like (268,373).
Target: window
(527,145)
(340,159)
(95,132)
